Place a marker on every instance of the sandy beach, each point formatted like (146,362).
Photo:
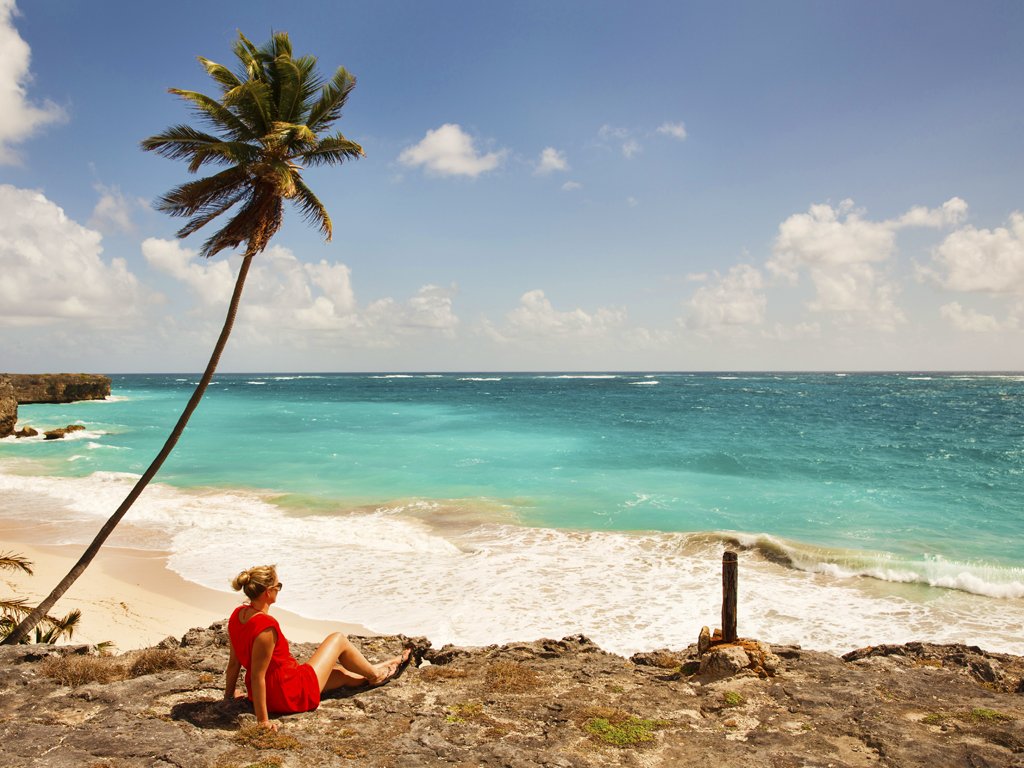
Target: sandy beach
(131,598)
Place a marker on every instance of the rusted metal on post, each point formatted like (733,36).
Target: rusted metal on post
(730,571)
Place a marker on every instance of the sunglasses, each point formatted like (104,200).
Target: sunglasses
(279,586)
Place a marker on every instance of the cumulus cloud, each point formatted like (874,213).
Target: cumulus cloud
(551,160)
(210,281)
(840,235)
(729,305)
(52,270)
(113,211)
(290,301)
(675,130)
(981,260)
(971,321)
(845,254)
(569,186)
(536,322)
(19,117)
(449,151)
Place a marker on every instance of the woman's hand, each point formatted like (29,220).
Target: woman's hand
(268,724)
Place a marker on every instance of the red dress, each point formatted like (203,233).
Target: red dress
(291,687)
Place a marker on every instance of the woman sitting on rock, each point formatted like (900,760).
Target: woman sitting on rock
(274,680)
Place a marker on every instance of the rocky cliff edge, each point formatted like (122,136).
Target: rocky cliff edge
(563,703)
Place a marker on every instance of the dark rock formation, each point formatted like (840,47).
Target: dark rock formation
(26,432)
(563,703)
(8,407)
(58,434)
(58,387)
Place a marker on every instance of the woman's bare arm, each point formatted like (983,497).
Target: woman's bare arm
(231,675)
(262,650)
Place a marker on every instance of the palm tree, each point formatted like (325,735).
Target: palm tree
(13,607)
(270,121)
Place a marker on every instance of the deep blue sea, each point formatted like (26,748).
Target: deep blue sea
(480,508)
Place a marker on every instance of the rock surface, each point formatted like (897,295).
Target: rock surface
(8,407)
(56,434)
(58,387)
(546,703)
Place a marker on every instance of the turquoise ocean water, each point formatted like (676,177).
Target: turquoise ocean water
(479,508)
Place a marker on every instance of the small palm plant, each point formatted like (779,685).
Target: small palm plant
(14,608)
(271,121)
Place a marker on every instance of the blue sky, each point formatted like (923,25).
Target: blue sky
(557,185)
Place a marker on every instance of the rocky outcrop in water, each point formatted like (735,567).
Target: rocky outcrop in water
(58,434)
(58,387)
(563,703)
(8,407)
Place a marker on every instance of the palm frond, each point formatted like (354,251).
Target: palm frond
(312,210)
(254,98)
(288,96)
(225,153)
(219,115)
(331,151)
(15,606)
(179,142)
(12,561)
(332,99)
(210,213)
(247,56)
(294,138)
(254,224)
(59,628)
(194,196)
(224,76)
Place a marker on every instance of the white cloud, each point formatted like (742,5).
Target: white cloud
(551,160)
(731,304)
(210,281)
(779,332)
(606,132)
(19,117)
(675,130)
(632,202)
(970,321)
(52,271)
(536,322)
(631,147)
(287,301)
(448,151)
(696,277)
(952,212)
(113,211)
(569,186)
(843,252)
(981,260)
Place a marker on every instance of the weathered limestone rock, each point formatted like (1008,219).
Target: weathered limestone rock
(723,661)
(703,641)
(58,434)
(8,407)
(26,432)
(58,387)
(542,704)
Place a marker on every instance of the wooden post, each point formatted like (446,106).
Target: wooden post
(730,569)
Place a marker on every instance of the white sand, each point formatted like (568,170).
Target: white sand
(131,598)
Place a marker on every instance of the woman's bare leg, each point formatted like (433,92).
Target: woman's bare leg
(354,668)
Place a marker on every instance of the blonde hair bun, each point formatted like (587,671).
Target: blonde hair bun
(255,581)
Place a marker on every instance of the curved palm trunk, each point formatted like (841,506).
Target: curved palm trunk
(37,615)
